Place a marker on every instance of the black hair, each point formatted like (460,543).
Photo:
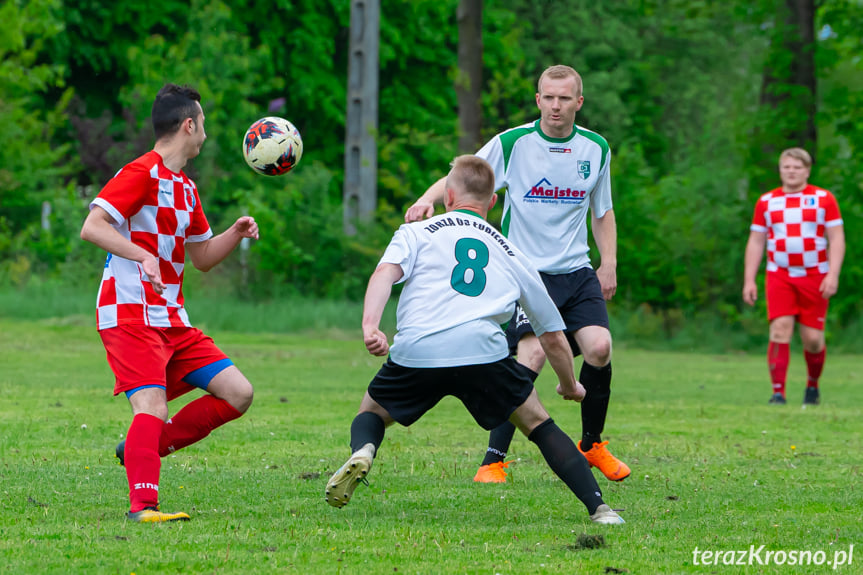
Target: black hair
(173,104)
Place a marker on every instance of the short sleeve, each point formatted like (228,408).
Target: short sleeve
(125,193)
(600,198)
(492,152)
(832,217)
(401,251)
(759,221)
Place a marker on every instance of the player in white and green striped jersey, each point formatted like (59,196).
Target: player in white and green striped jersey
(553,173)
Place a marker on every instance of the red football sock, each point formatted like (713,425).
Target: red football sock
(142,461)
(195,422)
(777,363)
(814,365)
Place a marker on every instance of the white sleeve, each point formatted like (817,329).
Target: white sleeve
(401,251)
(535,301)
(600,197)
(492,153)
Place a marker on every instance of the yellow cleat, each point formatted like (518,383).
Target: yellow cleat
(342,484)
(153,515)
(598,456)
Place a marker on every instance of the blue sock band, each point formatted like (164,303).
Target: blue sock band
(202,376)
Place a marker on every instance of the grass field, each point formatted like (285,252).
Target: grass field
(714,468)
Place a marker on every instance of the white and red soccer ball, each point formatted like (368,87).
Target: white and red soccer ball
(272,146)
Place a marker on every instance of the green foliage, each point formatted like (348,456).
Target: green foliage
(29,165)
(675,87)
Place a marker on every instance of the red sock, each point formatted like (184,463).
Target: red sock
(777,363)
(195,422)
(142,461)
(814,365)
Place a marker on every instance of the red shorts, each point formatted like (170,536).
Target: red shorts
(798,297)
(140,355)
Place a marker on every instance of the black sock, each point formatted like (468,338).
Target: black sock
(500,438)
(498,442)
(567,462)
(367,427)
(597,383)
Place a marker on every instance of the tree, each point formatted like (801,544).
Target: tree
(788,102)
(468,84)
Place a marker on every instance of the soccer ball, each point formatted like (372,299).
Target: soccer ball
(272,146)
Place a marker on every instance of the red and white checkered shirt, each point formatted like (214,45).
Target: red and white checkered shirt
(795,225)
(160,211)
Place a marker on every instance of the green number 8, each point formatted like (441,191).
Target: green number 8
(476,264)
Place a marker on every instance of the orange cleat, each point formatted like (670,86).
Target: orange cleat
(598,456)
(492,473)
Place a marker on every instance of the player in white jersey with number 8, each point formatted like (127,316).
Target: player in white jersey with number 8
(462,280)
(554,172)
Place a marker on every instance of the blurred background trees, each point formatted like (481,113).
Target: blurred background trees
(696,99)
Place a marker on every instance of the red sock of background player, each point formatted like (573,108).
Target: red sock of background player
(195,422)
(142,461)
(814,365)
(777,363)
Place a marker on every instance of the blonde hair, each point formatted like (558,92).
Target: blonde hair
(797,154)
(558,72)
(473,176)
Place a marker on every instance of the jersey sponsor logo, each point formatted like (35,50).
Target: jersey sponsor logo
(560,150)
(190,197)
(547,193)
(583,168)
(809,202)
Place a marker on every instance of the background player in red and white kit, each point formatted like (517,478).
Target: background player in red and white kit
(148,217)
(802,228)
(555,173)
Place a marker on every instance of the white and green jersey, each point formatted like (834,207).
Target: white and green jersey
(462,279)
(550,183)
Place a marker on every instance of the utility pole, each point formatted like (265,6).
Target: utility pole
(361,154)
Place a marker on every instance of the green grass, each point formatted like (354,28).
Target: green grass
(714,467)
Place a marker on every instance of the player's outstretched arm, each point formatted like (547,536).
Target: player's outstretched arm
(377,294)
(559,355)
(99,229)
(835,256)
(751,263)
(605,235)
(423,208)
(209,253)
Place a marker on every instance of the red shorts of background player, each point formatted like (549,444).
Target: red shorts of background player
(799,297)
(142,356)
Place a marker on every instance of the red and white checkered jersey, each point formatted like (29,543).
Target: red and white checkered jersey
(160,211)
(795,225)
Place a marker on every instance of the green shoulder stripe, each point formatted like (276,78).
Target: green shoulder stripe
(508,140)
(599,141)
(504,223)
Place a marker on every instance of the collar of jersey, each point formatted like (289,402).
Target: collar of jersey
(471,213)
(548,138)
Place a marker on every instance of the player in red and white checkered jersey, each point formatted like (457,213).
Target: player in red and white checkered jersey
(148,217)
(802,228)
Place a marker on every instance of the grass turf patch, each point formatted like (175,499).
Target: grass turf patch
(714,467)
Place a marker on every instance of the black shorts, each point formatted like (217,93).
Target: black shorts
(578,297)
(489,391)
